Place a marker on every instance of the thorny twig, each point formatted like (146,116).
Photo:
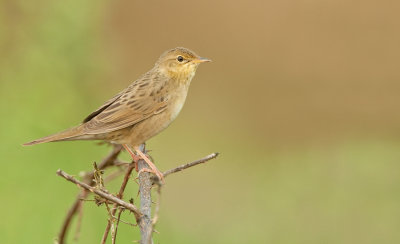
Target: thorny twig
(119,195)
(116,226)
(102,194)
(142,216)
(108,161)
(188,165)
(122,221)
(147,224)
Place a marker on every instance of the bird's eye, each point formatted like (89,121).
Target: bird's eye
(180,59)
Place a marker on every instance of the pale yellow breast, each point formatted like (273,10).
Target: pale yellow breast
(177,105)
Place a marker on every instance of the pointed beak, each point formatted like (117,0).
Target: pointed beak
(201,60)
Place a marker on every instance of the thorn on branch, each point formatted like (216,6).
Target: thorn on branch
(93,182)
(101,193)
(88,177)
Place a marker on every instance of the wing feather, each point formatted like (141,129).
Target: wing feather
(141,100)
(103,107)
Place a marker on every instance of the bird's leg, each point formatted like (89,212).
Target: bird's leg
(135,157)
(154,169)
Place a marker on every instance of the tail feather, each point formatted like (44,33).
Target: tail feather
(70,134)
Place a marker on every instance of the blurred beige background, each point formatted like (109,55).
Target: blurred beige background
(301,100)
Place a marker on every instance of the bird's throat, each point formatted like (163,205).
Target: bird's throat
(183,77)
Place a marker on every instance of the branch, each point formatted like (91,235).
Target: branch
(116,226)
(146,181)
(145,184)
(188,165)
(108,161)
(102,194)
(119,195)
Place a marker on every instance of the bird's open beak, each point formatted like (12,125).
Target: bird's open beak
(201,60)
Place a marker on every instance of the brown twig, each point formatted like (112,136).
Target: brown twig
(142,216)
(111,220)
(145,183)
(116,226)
(102,194)
(108,161)
(188,165)
(119,195)
(171,171)
(127,223)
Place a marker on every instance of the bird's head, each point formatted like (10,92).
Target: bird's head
(180,63)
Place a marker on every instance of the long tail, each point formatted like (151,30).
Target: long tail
(74,133)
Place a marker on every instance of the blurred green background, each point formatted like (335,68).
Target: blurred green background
(301,100)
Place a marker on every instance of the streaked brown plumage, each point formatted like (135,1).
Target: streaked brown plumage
(144,108)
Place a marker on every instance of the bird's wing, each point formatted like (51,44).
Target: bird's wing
(136,103)
(103,107)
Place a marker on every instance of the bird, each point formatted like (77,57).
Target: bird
(142,110)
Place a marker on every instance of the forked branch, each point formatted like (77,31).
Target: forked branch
(101,193)
(146,182)
(77,205)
